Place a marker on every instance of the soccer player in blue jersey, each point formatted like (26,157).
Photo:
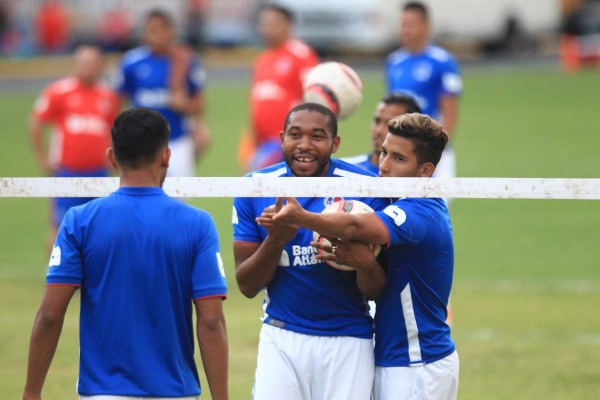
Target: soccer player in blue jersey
(142,261)
(168,78)
(428,73)
(414,354)
(316,342)
(389,107)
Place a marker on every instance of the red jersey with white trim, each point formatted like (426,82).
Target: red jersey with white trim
(277,86)
(82,116)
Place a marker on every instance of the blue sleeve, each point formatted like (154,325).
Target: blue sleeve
(245,228)
(122,80)
(404,223)
(450,79)
(66,260)
(377,203)
(208,275)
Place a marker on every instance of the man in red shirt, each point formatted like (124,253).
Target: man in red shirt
(81,110)
(277,82)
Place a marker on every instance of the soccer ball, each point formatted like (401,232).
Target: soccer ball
(335,85)
(346,207)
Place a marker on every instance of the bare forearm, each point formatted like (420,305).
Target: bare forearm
(343,226)
(371,280)
(449,108)
(212,339)
(257,271)
(42,346)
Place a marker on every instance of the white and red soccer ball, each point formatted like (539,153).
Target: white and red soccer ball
(334,85)
(345,207)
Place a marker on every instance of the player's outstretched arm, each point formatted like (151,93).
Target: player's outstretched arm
(366,228)
(44,337)
(214,349)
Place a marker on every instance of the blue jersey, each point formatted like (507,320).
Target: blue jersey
(410,327)
(426,76)
(363,161)
(140,258)
(306,295)
(144,78)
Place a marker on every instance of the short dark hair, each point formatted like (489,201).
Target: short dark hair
(138,134)
(427,135)
(284,11)
(418,7)
(331,118)
(161,14)
(404,100)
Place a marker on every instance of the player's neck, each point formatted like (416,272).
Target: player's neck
(140,178)
(417,47)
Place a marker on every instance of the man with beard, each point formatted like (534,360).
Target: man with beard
(317,338)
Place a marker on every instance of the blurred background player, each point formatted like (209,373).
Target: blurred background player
(81,110)
(313,312)
(389,107)
(276,87)
(428,73)
(142,260)
(169,78)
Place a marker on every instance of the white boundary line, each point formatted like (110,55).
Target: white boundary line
(481,188)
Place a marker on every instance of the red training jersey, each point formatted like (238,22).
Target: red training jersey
(82,116)
(277,86)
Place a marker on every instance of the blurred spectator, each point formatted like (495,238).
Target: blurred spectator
(115,29)
(53,27)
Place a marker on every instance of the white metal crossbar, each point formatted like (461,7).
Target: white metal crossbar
(482,188)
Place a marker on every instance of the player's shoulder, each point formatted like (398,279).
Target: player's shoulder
(343,168)
(299,49)
(356,160)
(397,56)
(136,55)
(62,86)
(439,54)
(275,170)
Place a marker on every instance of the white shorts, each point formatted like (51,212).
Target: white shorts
(107,397)
(183,158)
(294,366)
(435,381)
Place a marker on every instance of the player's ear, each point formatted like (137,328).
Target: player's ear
(336,143)
(165,157)
(426,170)
(281,136)
(110,156)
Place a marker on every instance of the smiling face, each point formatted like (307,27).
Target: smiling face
(398,159)
(308,143)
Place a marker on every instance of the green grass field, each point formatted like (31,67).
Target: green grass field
(527,282)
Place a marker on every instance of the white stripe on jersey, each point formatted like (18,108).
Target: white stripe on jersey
(343,172)
(412,330)
(277,172)
(355,159)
